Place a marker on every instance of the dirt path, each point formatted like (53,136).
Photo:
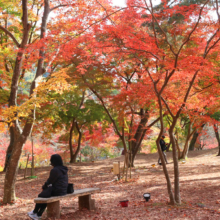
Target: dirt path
(199,184)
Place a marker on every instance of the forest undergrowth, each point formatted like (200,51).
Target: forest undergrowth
(199,184)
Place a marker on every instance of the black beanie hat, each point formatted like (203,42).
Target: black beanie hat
(56,160)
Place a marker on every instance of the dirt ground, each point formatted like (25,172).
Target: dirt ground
(199,185)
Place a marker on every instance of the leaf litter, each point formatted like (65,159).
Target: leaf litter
(199,185)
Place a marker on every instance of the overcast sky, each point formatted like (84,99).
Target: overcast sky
(122,2)
(119,2)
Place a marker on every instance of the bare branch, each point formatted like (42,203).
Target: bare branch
(143,51)
(168,108)
(145,130)
(11,35)
(197,23)
(208,42)
(201,90)
(82,100)
(155,34)
(187,93)
(96,22)
(152,14)
(154,122)
(105,11)
(58,6)
(35,39)
(104,106)
(211,47)
(147,71)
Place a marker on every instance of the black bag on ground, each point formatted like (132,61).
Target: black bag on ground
(70,188)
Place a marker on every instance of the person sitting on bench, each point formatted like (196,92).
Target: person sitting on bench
(56,185)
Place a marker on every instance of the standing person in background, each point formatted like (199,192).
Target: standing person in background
(56,185)
(163,148)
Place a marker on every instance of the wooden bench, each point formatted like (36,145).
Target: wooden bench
(85,201)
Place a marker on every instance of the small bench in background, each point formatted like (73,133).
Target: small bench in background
(85,201)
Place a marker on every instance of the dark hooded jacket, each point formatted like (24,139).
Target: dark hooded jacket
(58,176)
(163,145)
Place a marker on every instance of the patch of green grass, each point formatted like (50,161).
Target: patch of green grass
(158,204)
(31,177)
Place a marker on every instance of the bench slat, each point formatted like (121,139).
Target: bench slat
(77,192)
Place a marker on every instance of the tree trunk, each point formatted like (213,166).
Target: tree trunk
(17,142)
(194,138)
(186,146)
(139,141)
(185,150)
(175,161)
(135,144)
(71,140)
(169,186)
(74,156)
(121,136)
(172,139)
(168,147)
(15,132)
(15,80)
(177,145)
(215,126)
(11,172)
(12,167)
(193,141)
(25,169)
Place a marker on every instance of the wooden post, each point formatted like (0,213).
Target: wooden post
(26,167)
(86,202)
(53,210)
(116,169)
(119,175)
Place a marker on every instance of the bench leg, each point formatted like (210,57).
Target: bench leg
(53,209)
(86,202)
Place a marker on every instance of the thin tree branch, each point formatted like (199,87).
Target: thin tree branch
(11,35)
(188,38)
(208,42)
(166,38)
(82,100)
(104,106)
(58,6)
(105,11)
(155,34)
(187,94)
(211,47)
(201,90)
(168,108)
(143,51)
(155,121)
